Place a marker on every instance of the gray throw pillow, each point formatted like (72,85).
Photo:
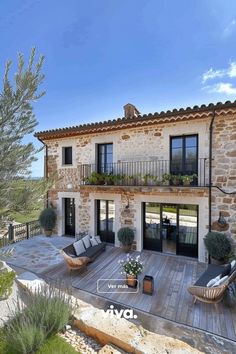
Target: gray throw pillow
(86,241)
(79,247)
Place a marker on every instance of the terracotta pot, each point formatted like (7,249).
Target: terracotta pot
(126,248)
(48,232)
(186,183)
(131,280)
(176,181)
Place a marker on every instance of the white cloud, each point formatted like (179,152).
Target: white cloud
(232,69)
(229,29)
(221,87)
(226,88)
(213,74)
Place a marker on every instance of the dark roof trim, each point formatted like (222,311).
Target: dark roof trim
(80,129)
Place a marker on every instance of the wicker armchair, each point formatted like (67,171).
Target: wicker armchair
(75,263)
(211,295)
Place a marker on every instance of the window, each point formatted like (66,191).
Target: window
(67,155)
(105,158)
(184,154)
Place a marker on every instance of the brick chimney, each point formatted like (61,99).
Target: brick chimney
(130,111)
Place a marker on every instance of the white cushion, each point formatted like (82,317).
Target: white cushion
(79,247)
(93,241)
(213,281)
(233,263)
(86,241)
(98,239)
(220,281)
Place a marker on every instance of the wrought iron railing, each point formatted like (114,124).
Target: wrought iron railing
(147,173)
(20,232)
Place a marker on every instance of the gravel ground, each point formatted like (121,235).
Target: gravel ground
(81,342)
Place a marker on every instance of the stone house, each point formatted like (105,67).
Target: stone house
(171,176)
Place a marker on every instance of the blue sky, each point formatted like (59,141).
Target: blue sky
(102,54)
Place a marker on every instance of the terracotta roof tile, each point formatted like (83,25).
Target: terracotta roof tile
(90,127)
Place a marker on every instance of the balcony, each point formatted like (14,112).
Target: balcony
(193,173)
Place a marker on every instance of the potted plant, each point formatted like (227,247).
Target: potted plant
(130,179)
(188,179)
(109,179)
(47,220)
(218,247)
(126,238)
(166,179)
(118,179)
(145,179)
(132,267)
(175,180)
(96,178)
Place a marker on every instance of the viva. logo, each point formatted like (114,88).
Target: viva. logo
(127,314)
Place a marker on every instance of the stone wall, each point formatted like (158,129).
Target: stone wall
(136,144)
(224,172)
(147,144)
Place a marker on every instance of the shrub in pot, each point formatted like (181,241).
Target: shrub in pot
(47,220)
(188,179)
(166,179)
(218,247)
(176,180)
(126,238)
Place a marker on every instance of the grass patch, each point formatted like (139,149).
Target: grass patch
(53,345)
(56,345)
(23,217)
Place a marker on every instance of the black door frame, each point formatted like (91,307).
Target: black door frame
(159,244)
(184,152)
(69,229)
(110,239)
(178,249)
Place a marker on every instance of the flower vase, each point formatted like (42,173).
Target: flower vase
(131,280)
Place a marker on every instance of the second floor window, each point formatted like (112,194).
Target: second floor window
(67,155)
(184,155)
(105,158)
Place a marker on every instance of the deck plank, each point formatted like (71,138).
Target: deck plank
(171,300)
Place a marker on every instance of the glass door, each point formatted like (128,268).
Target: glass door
(69,206)
(188,230)
(105,220)
(152,227)
(169,230)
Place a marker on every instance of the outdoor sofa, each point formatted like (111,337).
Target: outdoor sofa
(91,251)
(212,294)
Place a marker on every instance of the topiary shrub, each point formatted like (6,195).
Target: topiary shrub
(47,220)
(218,246)
(126,238)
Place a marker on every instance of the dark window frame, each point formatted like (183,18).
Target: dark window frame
(65,156)
(183,162)
(105,168)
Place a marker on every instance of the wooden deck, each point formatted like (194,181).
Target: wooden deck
(172,275)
